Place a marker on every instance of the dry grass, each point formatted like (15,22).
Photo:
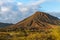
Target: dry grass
(51,34)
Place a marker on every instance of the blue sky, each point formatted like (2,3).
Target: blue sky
(13,11)
(52,6)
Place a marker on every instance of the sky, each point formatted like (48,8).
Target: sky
(13,11)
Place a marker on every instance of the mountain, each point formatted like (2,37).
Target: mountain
(39,26)
(37,21)
(2,25)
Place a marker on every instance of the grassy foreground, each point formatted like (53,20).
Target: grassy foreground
(49,34)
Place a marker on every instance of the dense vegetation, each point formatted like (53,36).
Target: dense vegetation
(43,34)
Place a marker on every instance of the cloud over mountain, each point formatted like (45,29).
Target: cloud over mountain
(12,11)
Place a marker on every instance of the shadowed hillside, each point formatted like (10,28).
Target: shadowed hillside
(2,25)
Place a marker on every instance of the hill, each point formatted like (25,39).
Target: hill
(2,25)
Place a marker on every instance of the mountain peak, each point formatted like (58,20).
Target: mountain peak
(37,21)
(39,14)
(40,17)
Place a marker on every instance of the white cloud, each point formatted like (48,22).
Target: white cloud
(37,2)
(6,18)
(19,3)
(4,9)
(32,5)
(7,0)
(8,13)
(1,2)
(10,0)
(23,10)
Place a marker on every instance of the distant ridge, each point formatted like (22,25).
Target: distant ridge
(2,25)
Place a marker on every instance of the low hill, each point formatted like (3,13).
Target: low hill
(3,25)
